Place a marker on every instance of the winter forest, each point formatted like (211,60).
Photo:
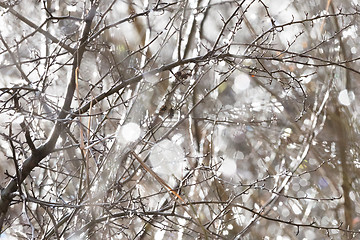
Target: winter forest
(189,119)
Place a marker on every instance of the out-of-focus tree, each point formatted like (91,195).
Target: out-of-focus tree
(205,119)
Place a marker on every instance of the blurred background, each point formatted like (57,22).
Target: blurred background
(202,119)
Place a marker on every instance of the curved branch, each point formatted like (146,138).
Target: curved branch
(44,150)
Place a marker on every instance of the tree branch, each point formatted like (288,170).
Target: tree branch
(40,153)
